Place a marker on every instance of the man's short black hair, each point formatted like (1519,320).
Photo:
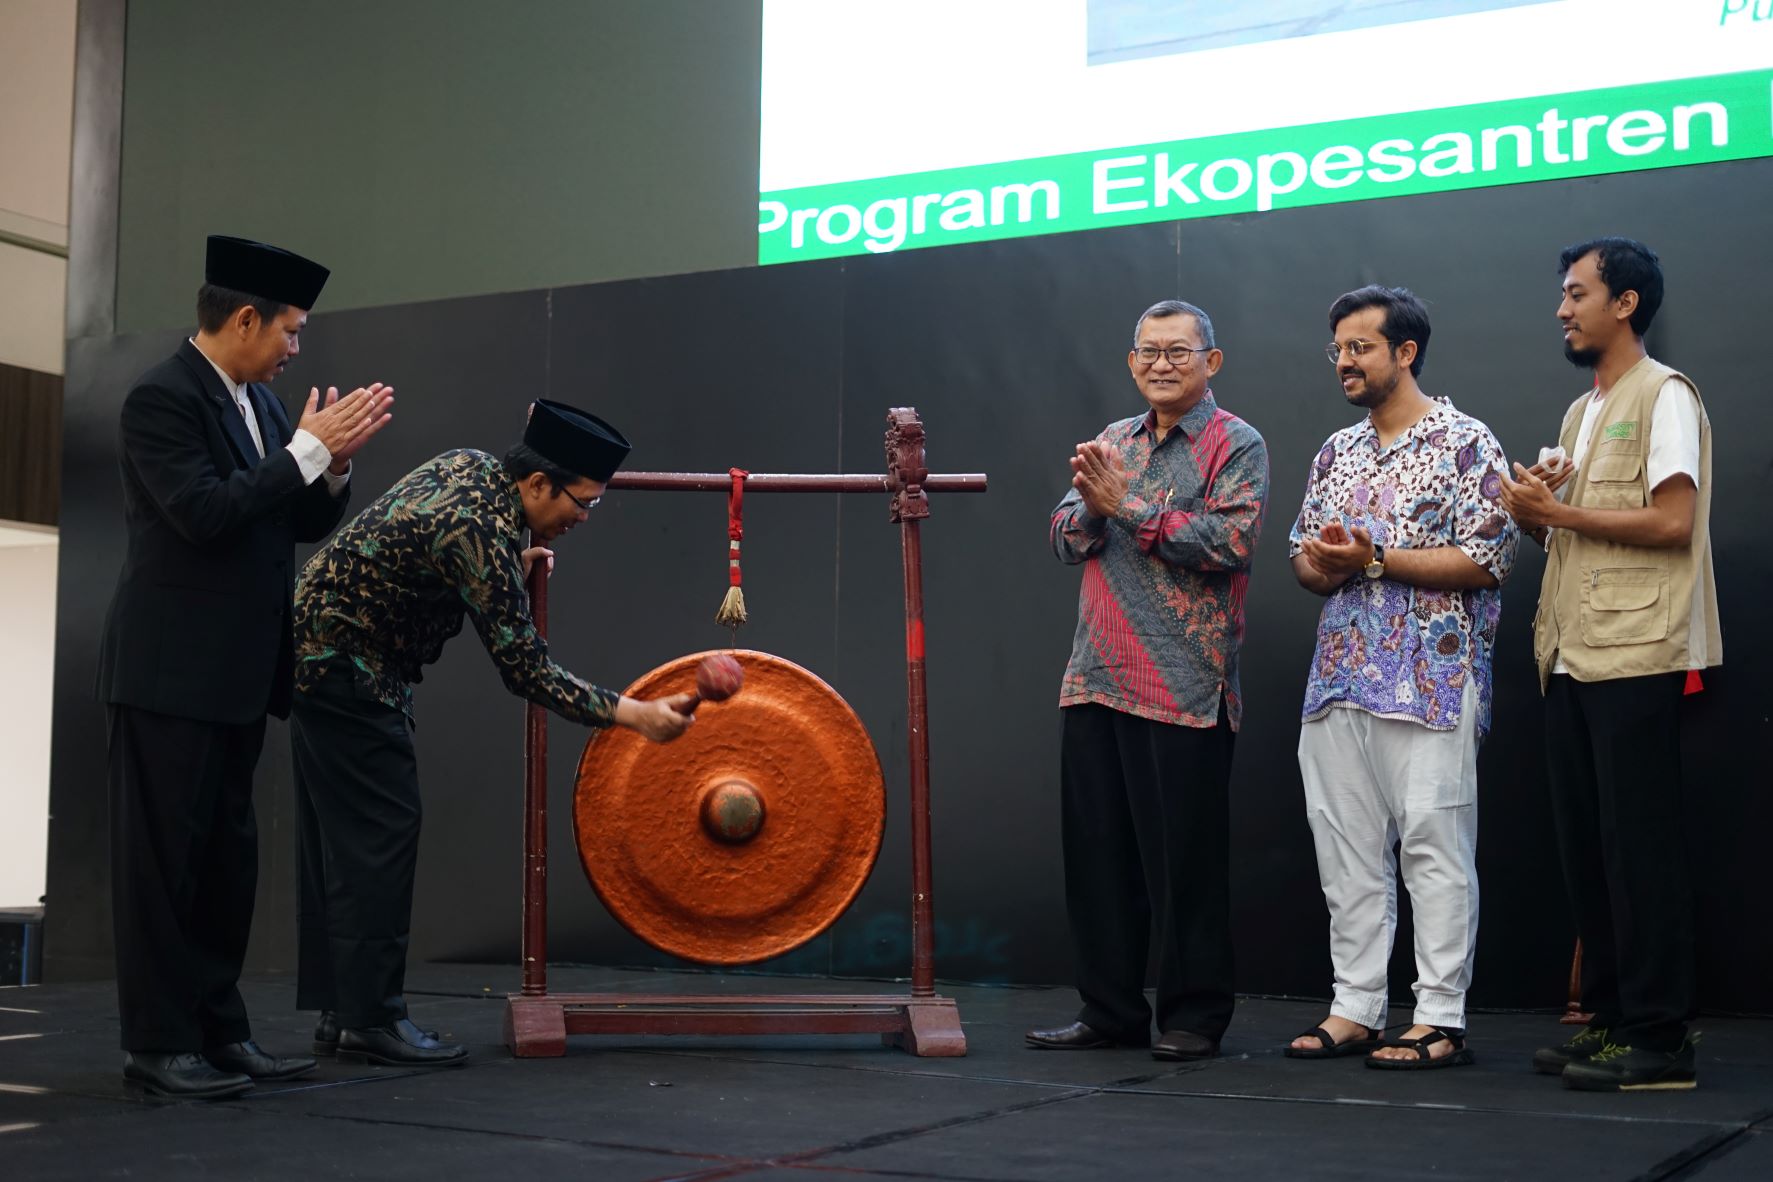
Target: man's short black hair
(215,304)
(523,460)
(1406,318)
(1625,265)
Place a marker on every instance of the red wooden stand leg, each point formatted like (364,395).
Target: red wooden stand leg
(933,1030)
(535,1027)
(1573,1015)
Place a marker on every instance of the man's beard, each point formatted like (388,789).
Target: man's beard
(1581,358)
(1374,394)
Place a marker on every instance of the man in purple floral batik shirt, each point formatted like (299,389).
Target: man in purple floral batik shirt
(1403,532)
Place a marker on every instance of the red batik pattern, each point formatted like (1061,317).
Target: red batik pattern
(1161,606)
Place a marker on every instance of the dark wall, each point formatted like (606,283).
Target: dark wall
(435,148)
(1012,352)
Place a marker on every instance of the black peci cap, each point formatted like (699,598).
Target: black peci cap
(578,441)
(258,269)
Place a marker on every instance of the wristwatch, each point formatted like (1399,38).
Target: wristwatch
(1375,568)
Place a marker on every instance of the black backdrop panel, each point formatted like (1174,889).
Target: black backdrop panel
(1012,351)
(464,373)
(703,373)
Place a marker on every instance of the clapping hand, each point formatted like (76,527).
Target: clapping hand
(1531,500)
(345,424)
(1554,468)
(1099,477)
(1339,552)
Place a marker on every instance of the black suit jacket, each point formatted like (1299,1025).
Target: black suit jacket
(200,624)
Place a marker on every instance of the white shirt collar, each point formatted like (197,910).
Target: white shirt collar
(236,390)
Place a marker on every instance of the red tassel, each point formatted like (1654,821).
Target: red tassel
(735,522)
(1694,683)
(732,608)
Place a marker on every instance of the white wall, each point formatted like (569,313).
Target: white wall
(27,656)
(33,296)
(36,137)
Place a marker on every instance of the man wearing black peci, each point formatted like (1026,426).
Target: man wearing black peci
(217,489)
(373,608)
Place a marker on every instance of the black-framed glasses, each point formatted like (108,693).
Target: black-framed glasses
(1178,355)
(1356,349)
(584,506)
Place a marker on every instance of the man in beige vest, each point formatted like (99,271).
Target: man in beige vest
(1627,609)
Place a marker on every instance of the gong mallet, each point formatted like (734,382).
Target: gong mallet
(718,678)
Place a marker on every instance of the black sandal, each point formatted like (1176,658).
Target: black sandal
(1329,1048)
(1425,1060)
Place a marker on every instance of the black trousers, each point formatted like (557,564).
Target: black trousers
(184,869)
(1147,833)
(357,798)
(1614,756)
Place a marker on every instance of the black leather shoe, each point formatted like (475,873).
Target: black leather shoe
(1076,1037)
(182,1076)
(326,1034)
(1184,1044)
(248,1058)
(398,1044)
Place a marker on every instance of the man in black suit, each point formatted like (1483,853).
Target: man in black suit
(196,651)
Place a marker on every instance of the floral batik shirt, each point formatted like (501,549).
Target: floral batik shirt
(1160,615)
(388,590)
(1390,649)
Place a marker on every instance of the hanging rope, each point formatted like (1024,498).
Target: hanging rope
(732,608)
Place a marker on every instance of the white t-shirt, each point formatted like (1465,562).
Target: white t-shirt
(1674,450)
(1674,433)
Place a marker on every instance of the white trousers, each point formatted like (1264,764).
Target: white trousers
(1381,793)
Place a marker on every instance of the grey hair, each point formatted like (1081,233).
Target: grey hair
(1178,308)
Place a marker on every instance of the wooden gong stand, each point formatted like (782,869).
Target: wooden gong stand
(537,1022)
(1574,1014)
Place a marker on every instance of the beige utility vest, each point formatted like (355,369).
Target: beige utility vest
(1613,610)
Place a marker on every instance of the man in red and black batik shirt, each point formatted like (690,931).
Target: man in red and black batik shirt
(1163,515)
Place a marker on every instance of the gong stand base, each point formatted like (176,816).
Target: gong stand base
(536,1027)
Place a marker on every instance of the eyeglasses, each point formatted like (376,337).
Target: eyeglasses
(584,506)
(1179,355)
(1356,348)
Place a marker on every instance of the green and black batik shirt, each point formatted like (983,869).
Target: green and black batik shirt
(388,590)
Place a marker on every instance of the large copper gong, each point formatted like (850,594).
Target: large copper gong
(746,837)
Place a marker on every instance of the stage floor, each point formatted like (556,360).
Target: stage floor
(804,1107)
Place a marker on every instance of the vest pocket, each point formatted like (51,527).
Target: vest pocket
(1624,605)
(1614,478)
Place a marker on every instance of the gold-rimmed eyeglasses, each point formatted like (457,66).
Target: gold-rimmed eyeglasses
(1356,349)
